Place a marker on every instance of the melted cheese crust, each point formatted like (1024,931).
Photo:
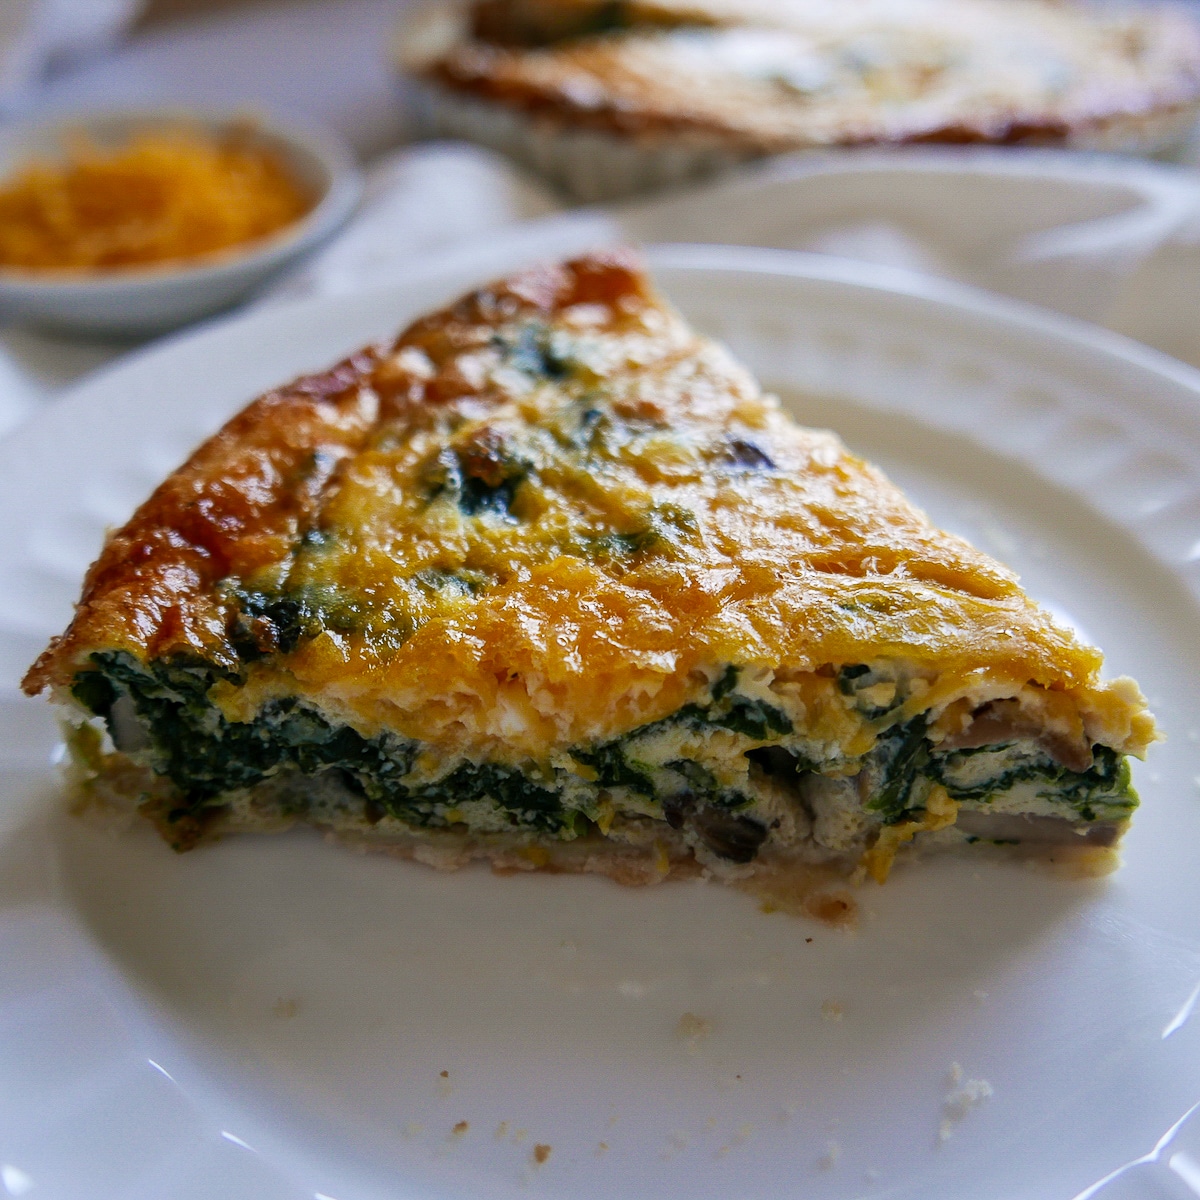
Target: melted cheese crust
(544,517)
(775,75)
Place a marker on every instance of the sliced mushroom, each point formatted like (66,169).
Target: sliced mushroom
(1001,721)
(732,837)
(1040,830)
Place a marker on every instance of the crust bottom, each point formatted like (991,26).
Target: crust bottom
(803,880)
(808,882)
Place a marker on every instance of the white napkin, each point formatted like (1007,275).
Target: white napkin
(35,34)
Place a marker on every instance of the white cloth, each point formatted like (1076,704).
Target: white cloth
(35,34)
(1110,240)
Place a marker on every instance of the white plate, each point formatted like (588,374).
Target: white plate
(269,1018)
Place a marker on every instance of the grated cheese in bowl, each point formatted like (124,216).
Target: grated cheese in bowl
(164,195)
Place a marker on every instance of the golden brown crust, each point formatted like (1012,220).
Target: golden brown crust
(236,504)
(241,500)
(643,82)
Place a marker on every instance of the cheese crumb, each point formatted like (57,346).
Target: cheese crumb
(662,861)
(964,1095)
(460,1128)
(940,811)
(831,1010)
(541,1152)
(501,1131)
(537,856)
(692,1030)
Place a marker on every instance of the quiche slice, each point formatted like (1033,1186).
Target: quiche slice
(551,582)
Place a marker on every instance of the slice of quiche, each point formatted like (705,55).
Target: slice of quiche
(550,581)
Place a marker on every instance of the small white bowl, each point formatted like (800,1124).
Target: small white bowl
(152,299)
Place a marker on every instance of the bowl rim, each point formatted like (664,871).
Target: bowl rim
(336,202)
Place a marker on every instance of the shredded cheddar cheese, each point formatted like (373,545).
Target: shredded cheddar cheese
(164,196)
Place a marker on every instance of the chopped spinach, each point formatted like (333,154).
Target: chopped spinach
(1105,784)
(95,692)
(533,352)
(854,679)
(663,527)
(730,710)
(481,480)
(265,623)
(904,753)
(725,684)
(206,755)
(616,765)
(613,769)
(754,718)
(848,676)
(529,804)
(276,622)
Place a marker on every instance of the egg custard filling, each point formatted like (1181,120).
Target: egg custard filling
(550,581)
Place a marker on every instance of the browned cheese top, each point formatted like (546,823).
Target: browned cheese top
(546,510)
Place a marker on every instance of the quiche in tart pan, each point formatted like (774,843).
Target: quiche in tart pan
(613,97)
(549,581)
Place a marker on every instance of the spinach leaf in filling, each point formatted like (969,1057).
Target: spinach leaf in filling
(904,754)
(206,756)
(616,763)
(1103,791)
